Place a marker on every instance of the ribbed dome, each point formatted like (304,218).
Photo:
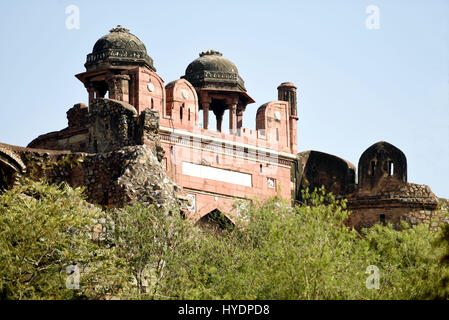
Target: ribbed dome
(212,70)
(119,47)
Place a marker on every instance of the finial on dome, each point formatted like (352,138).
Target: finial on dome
(210,53)
(119,28)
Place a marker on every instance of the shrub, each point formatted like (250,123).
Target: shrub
(45,229)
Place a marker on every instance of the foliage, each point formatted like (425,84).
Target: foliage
(273,252)
(306,253)
(147,238)
(44,229)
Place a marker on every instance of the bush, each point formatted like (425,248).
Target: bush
(148,239)
(45,229)
(307,253)
(274,252)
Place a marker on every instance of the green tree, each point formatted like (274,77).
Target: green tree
(44,229)
(305,252)
(148,238)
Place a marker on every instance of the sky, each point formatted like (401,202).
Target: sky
(363,76)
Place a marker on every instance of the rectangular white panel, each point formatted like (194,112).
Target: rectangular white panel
(206,172)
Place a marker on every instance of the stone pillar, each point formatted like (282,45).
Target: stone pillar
(240,110)
(91,92)
(219,116)
(232,117)
(205,115)
(119,87)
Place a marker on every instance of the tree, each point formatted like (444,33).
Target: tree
(45,229)
(148,238)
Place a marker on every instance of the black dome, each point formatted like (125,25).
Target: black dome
(212,70)
(118,48)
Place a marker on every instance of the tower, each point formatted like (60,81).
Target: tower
(287,92)
(120,67)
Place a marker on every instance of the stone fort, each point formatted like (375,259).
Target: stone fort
(139,139)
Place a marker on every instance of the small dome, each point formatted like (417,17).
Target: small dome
(211,70)
(118,48)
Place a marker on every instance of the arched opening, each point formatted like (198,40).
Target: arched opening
(382,218)
(373,168)
(7,177)
(215,221)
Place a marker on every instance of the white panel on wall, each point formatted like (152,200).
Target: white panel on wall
(206,172)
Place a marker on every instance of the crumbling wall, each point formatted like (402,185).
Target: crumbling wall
(394,201)
(112,125)
(129,175)
(316,169)
(73,138)
(126,167)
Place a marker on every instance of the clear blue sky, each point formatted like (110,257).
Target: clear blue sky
(356,86)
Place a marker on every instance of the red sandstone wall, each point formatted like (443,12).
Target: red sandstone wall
(142,95)
(210,193)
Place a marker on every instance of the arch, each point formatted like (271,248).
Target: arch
(176,99)
(273,118)
(381,160)
(215,221)
(10,165)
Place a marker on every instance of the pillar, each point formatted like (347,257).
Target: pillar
(119,87)
(219,116)
(91,92)
(240,110)
(205,106)
(232,117)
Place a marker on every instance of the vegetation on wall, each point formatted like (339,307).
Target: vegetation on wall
(275,252)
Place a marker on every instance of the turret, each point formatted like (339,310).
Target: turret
(287,92)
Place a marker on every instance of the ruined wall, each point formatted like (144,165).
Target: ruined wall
(382,195)
(316,169)
(112,125)
(126,176)
(72,138)
(394,201)
(117,174)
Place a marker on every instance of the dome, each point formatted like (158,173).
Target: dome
(118,48)
(211,70)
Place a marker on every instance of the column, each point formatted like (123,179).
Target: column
(240,110)
(91,92)
(119,87)
(232,117)
(205,106)
(219,116)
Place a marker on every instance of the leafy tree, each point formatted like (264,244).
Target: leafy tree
(305,252)
(274,252)
(45,229)
(147,238)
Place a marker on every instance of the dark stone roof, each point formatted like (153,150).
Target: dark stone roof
(381,153)
(211,71)
(118,48)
